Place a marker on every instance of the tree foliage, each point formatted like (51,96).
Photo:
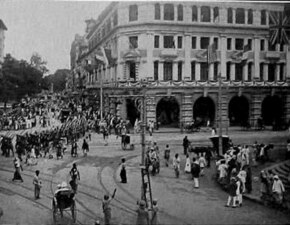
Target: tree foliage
(58,79)
(18,78)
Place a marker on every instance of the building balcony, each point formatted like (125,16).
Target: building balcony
(169,53)
(273,55)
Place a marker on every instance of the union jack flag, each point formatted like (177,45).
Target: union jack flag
(279,27)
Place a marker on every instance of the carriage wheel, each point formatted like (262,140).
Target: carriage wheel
(54,211)
(74,211)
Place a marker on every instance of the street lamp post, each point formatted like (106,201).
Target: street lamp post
(220,141)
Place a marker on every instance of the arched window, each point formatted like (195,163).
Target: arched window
(157,11)
(230,15)
(216,14)
(180,13)
(205,14)
(194,13)
(133,12)
(250,16)
(240,16)
(168,12)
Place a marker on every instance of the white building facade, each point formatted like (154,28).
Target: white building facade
(161,48)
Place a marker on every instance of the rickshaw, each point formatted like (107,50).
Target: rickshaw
(64,200)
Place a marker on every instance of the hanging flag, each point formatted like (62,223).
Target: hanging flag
(279,27)
(247,48)
(211,53)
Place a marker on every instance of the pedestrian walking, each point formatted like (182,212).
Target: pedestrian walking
(278,191)
(185,145)
(202,163)
(75,176)
(232,189)
(154,216)
(187,168)
(142,214)
(264,186)
(176,165)
(18,166)
(123,173)
(167,155)
(106,205)
(195,170)
(85,147)
(37,185)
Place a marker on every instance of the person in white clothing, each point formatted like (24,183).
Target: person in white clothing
(202,163)
(187,168)
(278,190)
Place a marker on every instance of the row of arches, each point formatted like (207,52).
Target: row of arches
(204,110)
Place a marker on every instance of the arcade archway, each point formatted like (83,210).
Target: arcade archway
(239,111)
(204,110)
(132,111)
(167,112)
(272,110)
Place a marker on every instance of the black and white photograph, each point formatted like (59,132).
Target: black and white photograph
(144,112)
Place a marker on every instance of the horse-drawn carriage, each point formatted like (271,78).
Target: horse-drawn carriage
(64,200)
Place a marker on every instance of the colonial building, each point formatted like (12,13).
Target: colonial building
(3,28)
(174,52)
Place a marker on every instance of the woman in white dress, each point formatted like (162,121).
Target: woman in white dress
(187,168)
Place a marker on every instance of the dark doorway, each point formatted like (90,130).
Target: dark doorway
(167,112)
(204,110)
(272,110)
(132,111)
(238,111)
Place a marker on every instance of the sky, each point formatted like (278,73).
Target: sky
(46,27)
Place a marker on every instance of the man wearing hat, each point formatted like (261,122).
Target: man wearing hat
(154,218)
(278,190)
(107,208)
(142,214)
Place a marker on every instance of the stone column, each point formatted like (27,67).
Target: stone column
(198,14)
(256,58)
(246,16)
(287,69)
(234,15)
(150,47)
(187,50)
(277,72)
(198,42)
(175,13)
(161,11)
(233,71)
(174,71)
(160,71)
(223,49)
(211,71)
(197,71)
(255,108)
(211,15)
(265,71)
(245,72)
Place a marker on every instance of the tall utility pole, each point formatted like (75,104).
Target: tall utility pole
(143,131)
(101,94)
(220,141)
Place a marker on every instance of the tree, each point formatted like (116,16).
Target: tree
(17,79)
(58,79)
(37,62)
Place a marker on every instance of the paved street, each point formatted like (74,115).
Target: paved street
(179,202)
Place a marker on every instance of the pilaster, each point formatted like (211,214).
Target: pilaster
(197,71)
(187,50)
(256,58)
(223,49)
